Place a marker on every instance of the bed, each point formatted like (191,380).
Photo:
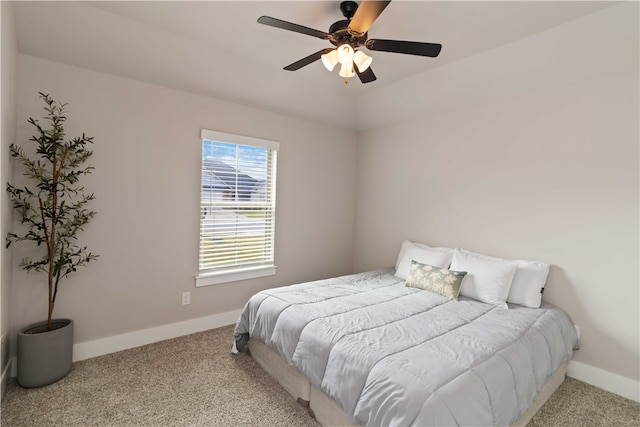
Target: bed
(372,349)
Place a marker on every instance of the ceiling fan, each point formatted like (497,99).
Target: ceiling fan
(350,34)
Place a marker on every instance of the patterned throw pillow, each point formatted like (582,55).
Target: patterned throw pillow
(434,279)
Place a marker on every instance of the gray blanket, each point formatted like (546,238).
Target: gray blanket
(394,355)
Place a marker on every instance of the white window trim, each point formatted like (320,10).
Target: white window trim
(242,273)
(238,139)
(220,277)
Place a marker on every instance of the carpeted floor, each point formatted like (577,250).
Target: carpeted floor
(195,381)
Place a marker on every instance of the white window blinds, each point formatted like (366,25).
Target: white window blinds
(237,204)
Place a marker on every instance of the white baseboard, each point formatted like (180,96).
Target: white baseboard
(6,371)
(102,346)
(99,347)
(606,380)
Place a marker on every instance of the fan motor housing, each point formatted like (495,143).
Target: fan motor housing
(338,34)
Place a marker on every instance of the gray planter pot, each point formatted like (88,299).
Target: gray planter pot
(44,356)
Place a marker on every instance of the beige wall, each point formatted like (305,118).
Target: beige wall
(146,180)
(8,91)
(551,177)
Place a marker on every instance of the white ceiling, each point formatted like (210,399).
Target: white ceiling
(216,48)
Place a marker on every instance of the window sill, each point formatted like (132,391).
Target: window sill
(235,275)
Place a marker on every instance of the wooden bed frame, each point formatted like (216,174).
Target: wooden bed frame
(329,413)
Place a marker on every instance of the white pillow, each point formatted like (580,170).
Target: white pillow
(437,257)
(487,280)
(528,282)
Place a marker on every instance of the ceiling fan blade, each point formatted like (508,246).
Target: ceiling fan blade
(366,76)
(308,60)
(365,15)
(278,23)
(399,46)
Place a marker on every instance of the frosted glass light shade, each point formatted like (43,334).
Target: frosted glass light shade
(347,71)
(329,60)
(362,60)
(345,54)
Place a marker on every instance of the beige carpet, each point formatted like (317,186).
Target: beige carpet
(195,381)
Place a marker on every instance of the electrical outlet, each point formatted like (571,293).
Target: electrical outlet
(577,330)
(186,298)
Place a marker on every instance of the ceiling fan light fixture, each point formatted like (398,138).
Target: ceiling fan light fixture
(362,60)
(329,60)
(349,35)
(345,54)
(347,71)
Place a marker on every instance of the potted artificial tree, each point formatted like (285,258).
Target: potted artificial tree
(53,210)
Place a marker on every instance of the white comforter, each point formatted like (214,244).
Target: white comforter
(394,355)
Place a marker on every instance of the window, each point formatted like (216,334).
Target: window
(237,208)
